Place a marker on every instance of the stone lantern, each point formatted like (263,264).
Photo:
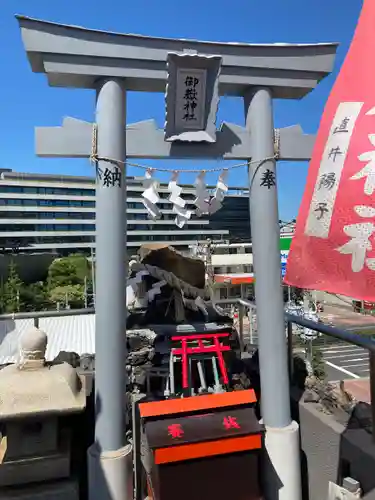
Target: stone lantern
(34,444)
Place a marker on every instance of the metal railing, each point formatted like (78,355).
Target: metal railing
(243,304)
(331,331)
(36,315)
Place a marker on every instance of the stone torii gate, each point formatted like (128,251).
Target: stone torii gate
(112,64)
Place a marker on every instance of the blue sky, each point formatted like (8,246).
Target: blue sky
(27,101)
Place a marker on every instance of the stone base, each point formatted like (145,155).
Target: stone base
(110,474)
(33,470)
(40,468)
(58,490)
(31,437)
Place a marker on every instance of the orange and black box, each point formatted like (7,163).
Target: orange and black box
(203,447)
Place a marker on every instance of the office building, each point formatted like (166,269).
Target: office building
(229,265)
(56,214)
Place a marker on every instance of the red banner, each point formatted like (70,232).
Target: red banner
(334,245)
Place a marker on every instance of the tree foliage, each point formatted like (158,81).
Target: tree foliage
(74,295)
(11,293)
(318,365)
(35,297)
(296,294)
(68,279)
(70,270)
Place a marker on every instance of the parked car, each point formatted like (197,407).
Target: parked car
(363,305)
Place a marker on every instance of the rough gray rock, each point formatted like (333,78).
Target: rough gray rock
(331,396)
(87,362)
(72,358)
(141,357)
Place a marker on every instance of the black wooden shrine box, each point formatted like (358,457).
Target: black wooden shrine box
(203,447)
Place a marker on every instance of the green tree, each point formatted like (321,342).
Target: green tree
(35,297)
(82,266)
(12,290)
(318,365)
(74,295)
(69,278)
(71,270)
(2,301)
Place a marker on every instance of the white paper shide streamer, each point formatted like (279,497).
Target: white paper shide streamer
(151,196)
(202,200)
(221,190)
(182,213)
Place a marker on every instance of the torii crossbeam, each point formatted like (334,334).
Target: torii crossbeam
(144,140)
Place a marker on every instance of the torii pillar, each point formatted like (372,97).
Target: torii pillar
(111,64)
(110,452)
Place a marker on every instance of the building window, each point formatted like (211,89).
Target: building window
(138,216)
(234,291)
(30,190)
(223,293)
(248,269)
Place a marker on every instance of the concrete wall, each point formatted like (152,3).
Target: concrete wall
(30,267)
(320,443)
(331,451)
(236,259)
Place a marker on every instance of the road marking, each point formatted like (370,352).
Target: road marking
(340,346)
(344,353)
(355,366)
(340,369)
(343,349)
(346,356)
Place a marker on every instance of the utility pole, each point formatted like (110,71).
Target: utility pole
(93,263)
(85,291)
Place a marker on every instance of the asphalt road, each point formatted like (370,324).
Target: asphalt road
(345,361)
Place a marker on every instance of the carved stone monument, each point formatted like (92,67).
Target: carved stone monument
(34,445)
